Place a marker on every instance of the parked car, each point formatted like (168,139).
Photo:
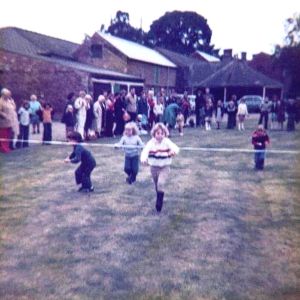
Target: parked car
(253,102)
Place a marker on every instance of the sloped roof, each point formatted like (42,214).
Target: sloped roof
(208,57)
(50,49)
(202,70)
(136,51)
(177,58)
(32,43)
(92,69)
(238,73)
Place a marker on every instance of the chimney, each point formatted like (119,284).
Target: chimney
(227,54)
(244,56)
(215,52)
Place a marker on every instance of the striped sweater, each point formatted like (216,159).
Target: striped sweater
(159,154)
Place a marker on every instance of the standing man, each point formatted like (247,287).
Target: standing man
(131,107)
(199,108)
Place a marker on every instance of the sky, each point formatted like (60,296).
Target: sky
(242,25)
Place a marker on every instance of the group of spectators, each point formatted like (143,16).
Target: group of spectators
(14,124)
(108,114)
(276,111)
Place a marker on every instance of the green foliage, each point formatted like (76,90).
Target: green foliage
(183,32)
(120,26)
(288,56)
(292,28)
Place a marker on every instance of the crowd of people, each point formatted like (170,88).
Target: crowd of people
(108,114)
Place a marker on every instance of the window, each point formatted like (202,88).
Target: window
(96,51)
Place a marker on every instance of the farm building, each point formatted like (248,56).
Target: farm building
(52,68)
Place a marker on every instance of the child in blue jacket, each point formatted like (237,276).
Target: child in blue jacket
(88,163)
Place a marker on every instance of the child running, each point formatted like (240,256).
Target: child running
(131,144)
(88,163)
(158,154)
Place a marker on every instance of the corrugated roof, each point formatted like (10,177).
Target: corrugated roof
(238,73)
(208,57)
(49,49)
(177,58)
(136,51)
(32,43)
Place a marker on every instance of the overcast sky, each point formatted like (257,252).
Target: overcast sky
(243,25)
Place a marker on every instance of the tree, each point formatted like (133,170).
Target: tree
(182,32)
(120,26)
(292,29)
(288,56)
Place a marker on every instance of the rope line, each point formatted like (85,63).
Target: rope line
(201,149)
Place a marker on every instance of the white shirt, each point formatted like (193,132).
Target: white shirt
(97,109)
(158,109)
(80,104)
(242,109)
(24,116)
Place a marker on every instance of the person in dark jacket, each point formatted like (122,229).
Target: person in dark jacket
(260,139)
(291,112)
(119,108)
(231,110)
(88,163)
(69,119)
(199,108)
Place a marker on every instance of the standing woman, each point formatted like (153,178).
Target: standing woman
(35,109)
(98,115)
(241,114)
(15,128)
(109,117)
(80,106)
(7,109)
(89,116)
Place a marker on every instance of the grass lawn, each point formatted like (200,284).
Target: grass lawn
(226,231)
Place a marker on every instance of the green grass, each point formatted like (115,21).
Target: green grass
(225,232)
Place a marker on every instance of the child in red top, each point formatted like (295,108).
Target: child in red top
(260,139)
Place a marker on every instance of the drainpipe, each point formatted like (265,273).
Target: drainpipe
(225,95)
(264,92)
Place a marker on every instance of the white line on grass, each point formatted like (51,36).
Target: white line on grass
(203,149)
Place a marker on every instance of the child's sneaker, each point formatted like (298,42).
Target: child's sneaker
(92,189)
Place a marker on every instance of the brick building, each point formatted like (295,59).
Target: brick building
(51,68)
(110,52)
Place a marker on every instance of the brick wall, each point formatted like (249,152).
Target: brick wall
(25,75)
(155,76)
(111,59)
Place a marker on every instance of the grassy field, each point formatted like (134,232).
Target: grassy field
(226,231)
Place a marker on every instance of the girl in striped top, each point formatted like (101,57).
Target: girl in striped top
(158,153)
